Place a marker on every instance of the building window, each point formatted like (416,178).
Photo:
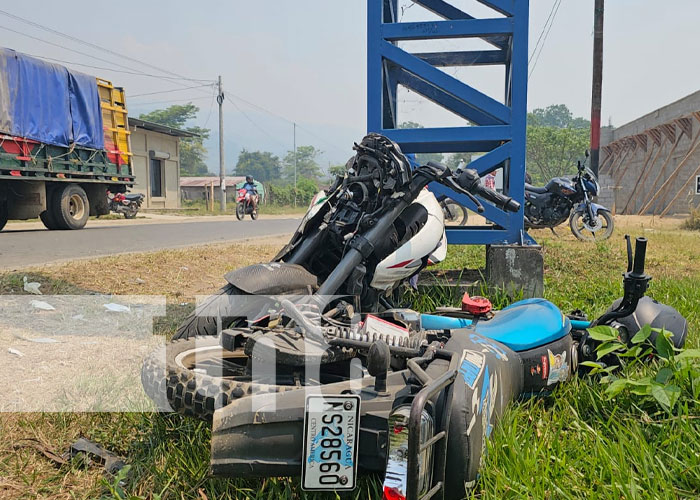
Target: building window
(156,178)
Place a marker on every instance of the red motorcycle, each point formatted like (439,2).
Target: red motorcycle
(245,207)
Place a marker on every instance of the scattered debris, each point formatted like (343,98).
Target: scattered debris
(112,307)
(78,317)
(14,351)
(139,281)
(43,340)
(112,463)
(44,306)
(31,286)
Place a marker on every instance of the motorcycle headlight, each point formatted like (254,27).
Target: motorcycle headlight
(395,481)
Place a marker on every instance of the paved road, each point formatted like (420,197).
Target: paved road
(31,247)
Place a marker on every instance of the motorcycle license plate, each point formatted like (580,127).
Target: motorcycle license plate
(331,431)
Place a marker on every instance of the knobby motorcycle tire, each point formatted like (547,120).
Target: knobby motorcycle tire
(173,387)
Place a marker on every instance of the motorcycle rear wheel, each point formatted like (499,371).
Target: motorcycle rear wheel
(583,232)
(254,215)
(455,214)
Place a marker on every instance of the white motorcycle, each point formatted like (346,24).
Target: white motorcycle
(379,212)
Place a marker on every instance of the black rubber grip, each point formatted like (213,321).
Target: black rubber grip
(505,202)
(640,255)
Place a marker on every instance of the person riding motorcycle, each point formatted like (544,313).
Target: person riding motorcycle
(251,191)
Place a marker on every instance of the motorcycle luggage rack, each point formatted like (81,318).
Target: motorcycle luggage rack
(444,383)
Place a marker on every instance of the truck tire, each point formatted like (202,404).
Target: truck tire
(47,215)
(177,377)
(70,207)
(3,214)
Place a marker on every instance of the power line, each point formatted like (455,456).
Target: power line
(254,122)
(172,90)
(89,44)
(544,27)
(170,100)
(534,65)
(164,78)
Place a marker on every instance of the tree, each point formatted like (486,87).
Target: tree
(192,150)
(558,116)
(262,165)
(306,164)
(552,152)
(422,158)
(555,140)
(337,170)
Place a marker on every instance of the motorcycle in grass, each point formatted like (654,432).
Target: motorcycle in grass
(562,198)
(407,395)
(127,204)
(245,206)
(336,225)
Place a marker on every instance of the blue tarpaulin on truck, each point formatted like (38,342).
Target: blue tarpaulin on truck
(48,103)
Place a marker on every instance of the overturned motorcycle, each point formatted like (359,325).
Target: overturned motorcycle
(307,389)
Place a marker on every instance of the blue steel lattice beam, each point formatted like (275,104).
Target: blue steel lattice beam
(497,129)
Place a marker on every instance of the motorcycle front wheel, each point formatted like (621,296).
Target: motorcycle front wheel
(197,376)
(240,211)
(600,229)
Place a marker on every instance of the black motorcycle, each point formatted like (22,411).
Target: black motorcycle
(562,198)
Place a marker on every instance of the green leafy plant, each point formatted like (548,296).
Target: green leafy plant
(653,371)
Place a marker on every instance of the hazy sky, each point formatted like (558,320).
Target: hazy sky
(305,60)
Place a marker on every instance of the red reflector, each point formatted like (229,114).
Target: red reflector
(392,494)
(15,173)
(398,429)
(476,305)
(401,264)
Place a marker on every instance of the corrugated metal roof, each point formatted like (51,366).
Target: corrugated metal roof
(206,181)
(157,127)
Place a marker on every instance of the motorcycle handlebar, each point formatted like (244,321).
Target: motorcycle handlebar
(640,253)
(469,180)
(505,202)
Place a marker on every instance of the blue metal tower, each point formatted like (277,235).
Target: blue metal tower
(497,129)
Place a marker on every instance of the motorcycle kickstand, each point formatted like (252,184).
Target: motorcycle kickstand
(554,232)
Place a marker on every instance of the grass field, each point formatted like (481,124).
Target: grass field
(574,444)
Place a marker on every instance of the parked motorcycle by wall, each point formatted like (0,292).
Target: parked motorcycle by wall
(245,206)
(562,198)
(127,204)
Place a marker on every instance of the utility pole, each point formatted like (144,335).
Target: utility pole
(597,94)
(295,164)
(222,167)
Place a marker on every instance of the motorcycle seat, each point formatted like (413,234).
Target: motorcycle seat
(525,325)
(535,189)
(135,196)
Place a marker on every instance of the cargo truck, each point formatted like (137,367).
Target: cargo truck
(64,142)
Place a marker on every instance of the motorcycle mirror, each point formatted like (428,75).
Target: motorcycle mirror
(378,359)
(588,154)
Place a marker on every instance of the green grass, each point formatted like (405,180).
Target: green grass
(575,444)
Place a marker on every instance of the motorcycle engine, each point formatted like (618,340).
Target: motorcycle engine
(548,209)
